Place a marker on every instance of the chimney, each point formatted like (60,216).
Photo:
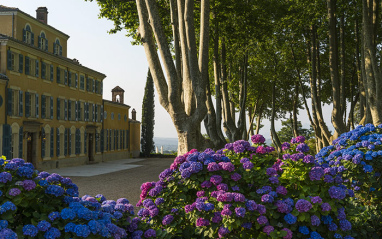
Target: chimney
(134,114)
(42,14)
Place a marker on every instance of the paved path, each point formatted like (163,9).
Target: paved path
(116,179)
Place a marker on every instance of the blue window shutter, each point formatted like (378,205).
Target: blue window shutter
(43,106)
(69,142)
(24,35)
(102,140)
(42,143)
(21,61)
(76,107)
(66,109)
(93,112)
(60,50)
(65,77)
(32,38)
(21,103)
(128,138)
(54,48)
(70,110)
(10,102)
(85,143)
(101,120)
(93,86)
(27,104)
(21,142)
(69,78)
(96,113)
(76,80)
(51,142)
(87,84)
(58,108)
(7,136)
(37,68)
(43,70)
(37,106)
(58,142)
(58,75)
(78,142)
(51,107)
(96,86)
(66,142)
(27,65)
(39,42)
(101,88)
(82,79)
(107,140)
(46,47)
(51,73)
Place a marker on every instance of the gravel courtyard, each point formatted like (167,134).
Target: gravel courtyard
(119,183)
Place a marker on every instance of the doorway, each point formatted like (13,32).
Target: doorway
(31,146)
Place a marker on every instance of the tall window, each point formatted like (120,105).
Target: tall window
(42,42)
(57,48)
(15,102)
(28,35)
(31,105)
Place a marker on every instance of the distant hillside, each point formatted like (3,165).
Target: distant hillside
(169,144)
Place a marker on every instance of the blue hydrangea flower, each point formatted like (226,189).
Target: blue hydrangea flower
(30,230)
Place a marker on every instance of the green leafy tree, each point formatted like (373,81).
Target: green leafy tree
(286,131)
(147,135)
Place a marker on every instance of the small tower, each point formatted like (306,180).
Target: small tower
(117,94)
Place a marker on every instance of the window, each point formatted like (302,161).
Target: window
(57,48)
(81,111)
(42,42)
(72,79)
(31,67)
(46,71)
(105,115)
(82,82)
(62,109)
(119,116)
(91,112)
(46,107)
(112,115)
(31,105)
(15,61)
(28,35)
(59,75)
(15,102)
(72,109)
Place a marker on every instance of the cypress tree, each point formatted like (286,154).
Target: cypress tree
(147,135)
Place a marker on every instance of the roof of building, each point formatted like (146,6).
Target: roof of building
(117,88)
(73,61)
(15,9)
(116,103)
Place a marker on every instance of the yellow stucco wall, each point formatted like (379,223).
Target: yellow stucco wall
(19,22)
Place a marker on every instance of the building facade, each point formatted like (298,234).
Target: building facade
(51,109)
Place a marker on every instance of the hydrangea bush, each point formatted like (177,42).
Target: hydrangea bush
(244,191)
(360,153)
(41,205)
(241,191)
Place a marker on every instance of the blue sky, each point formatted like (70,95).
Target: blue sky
(112,54)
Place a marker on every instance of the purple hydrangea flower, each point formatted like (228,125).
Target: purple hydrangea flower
(201,222)
(326,207)
(337,192)
(257,139)
(167,219)
(268,229)
(262,220)
(316,173)
(303,205)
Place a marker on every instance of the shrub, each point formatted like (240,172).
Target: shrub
(41,205)
(243,191)
(360,153)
